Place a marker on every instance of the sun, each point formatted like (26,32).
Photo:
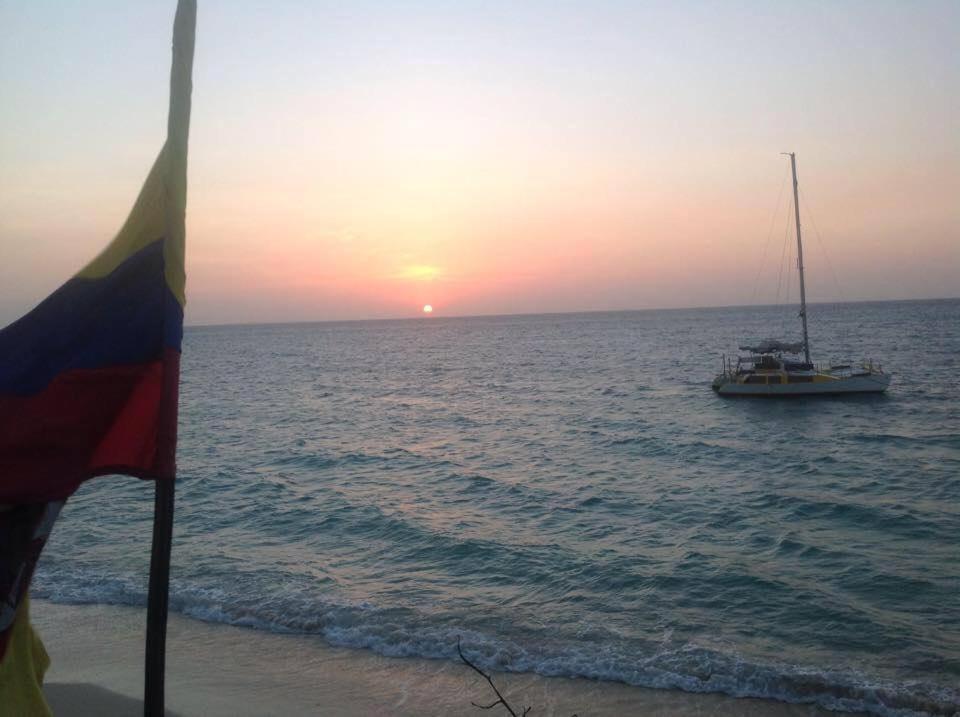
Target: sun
(427,309)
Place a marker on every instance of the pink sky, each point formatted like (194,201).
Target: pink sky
(490,158)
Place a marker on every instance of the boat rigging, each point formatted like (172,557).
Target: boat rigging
(773,368)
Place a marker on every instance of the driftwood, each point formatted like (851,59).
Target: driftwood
(500,699)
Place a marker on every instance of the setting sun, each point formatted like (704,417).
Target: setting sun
(604,198)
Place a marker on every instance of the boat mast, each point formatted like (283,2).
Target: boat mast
(803,288)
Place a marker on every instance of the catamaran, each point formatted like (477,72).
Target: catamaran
(775,368)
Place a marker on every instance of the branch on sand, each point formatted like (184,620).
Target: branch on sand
(500,698)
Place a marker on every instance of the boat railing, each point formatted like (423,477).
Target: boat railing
(865,365)
(731,370)
(727,367)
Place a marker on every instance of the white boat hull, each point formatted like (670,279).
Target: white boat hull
(868,383)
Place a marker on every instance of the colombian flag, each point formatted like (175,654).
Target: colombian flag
(89,378)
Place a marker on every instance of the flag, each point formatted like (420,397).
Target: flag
(89,378)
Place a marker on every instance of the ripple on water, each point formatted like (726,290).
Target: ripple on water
(567,494)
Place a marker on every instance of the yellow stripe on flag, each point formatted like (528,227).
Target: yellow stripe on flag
(159,212)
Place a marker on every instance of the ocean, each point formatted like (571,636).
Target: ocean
(567,495)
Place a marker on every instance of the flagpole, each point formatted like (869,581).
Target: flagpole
(158,599)
(175,157)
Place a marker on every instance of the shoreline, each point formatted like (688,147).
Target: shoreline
(96,667)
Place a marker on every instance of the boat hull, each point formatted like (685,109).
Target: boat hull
(870,383)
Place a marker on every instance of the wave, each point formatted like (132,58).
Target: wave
(404,632)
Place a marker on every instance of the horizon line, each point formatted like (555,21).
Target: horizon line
(435,317)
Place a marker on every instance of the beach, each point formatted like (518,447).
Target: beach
(541,487)
(467,384)
(97,663)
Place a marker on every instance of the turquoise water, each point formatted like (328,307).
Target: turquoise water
(568,494)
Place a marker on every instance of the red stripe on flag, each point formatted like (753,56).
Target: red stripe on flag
(89,422)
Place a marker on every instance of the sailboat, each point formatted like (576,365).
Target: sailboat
(782,368)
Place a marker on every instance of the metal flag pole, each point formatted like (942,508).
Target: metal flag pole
(175,157)
(157,600)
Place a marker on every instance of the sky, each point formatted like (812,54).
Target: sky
(360,160)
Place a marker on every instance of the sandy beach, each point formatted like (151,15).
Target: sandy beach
(97,659)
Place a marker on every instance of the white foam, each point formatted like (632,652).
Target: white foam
(397,633)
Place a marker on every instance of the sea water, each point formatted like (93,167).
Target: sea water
(567,495)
